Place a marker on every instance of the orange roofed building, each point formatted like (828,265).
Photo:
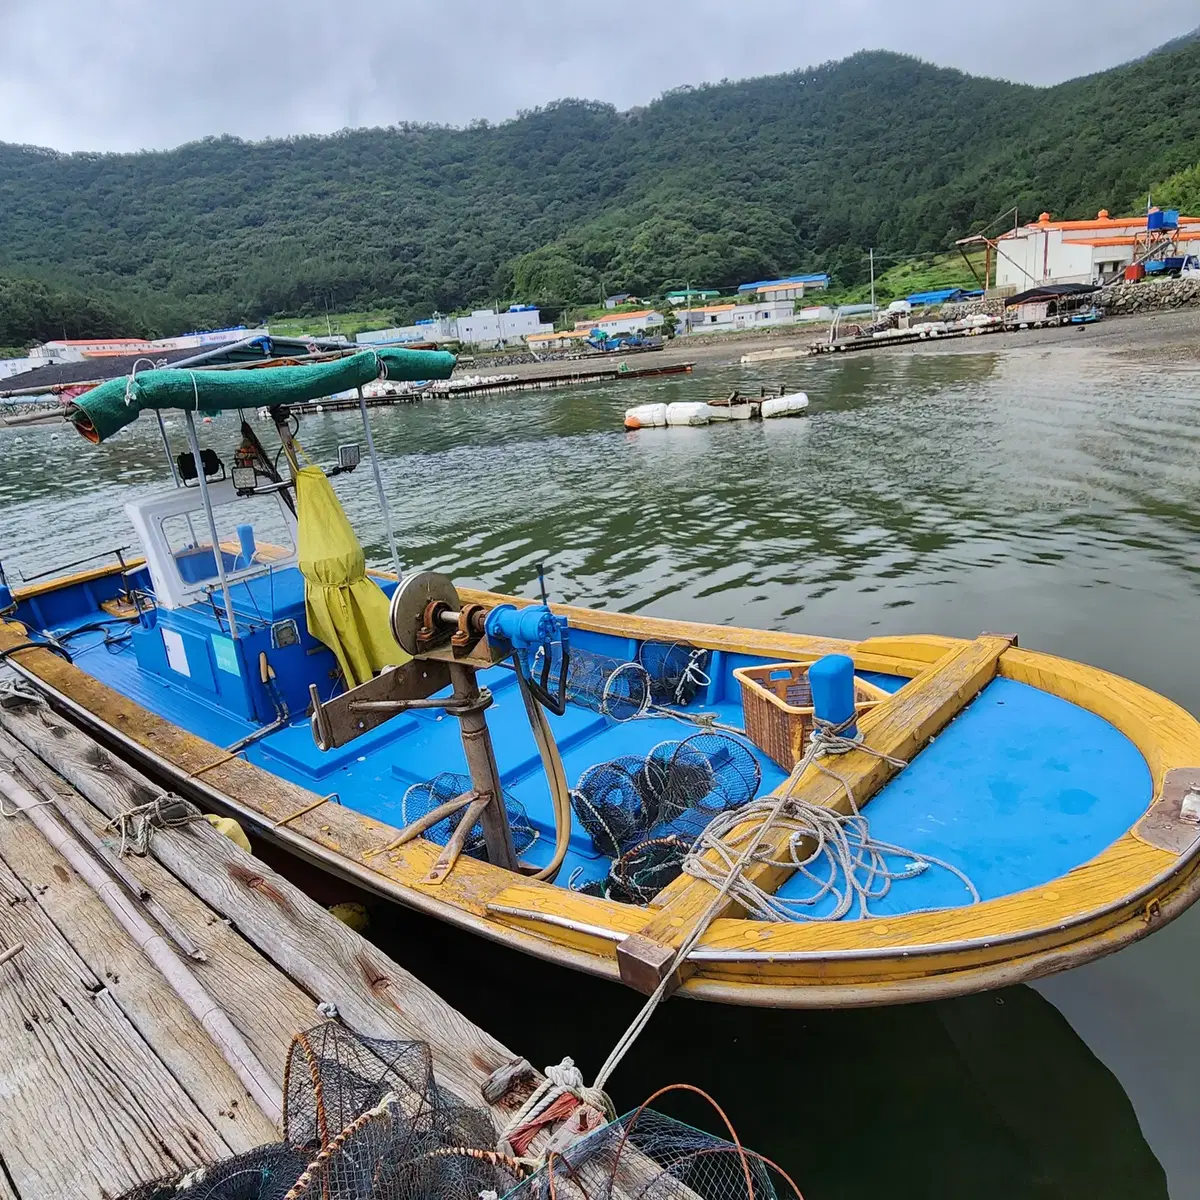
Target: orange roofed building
(1095,251)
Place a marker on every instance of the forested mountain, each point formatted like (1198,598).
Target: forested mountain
(715,185)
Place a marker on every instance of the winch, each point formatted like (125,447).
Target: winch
(451,641)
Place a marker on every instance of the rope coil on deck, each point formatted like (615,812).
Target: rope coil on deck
(727,875)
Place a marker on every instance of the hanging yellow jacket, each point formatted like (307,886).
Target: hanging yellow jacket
(346,610)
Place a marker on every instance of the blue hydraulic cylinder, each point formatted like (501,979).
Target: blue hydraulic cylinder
(832,682)
(525,628)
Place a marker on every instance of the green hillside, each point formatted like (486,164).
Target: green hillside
(712,185)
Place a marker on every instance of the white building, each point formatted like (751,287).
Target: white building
(731,318)
(645,320)
(484,327)
(1049,251)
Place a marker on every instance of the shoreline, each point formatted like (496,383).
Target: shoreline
(1173,336)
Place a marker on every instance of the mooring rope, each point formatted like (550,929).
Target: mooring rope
(856,862)
(825,739)
(137,825)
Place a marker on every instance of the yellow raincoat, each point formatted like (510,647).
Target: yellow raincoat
(346,610)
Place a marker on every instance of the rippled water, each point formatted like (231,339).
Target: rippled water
(1049,491)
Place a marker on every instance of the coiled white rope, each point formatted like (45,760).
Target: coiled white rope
(727,877)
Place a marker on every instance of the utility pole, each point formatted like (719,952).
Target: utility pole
(688,297)
(872,253)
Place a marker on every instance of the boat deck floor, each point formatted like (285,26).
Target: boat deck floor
(1017,791)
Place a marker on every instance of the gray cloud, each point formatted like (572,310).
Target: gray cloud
(130,74)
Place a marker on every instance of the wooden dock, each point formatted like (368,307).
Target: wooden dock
(108,1077)
(448,390)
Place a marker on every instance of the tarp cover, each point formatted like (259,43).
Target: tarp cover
(104,410)
(345,609)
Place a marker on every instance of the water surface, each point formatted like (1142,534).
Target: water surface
(1054,492)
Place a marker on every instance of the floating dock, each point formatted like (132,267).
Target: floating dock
(486,387)
(110,1078)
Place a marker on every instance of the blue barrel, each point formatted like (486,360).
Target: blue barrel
(831,680)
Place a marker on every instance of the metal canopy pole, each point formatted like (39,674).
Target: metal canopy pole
(212,524)
(383,504)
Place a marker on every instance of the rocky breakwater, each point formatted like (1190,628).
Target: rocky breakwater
(1122,299)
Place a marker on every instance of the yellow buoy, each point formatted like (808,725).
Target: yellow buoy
(355,916)
(231,829)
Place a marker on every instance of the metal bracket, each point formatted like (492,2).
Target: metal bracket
(339,721)
(1173,820)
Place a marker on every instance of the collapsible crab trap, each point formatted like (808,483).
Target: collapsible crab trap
(422,798)
(623,689)
(364,1119)
(646,813)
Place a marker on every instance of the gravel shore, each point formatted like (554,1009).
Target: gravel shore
(1169,336)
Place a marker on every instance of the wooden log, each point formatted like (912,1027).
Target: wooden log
(88,1110)
(159,1016)
(6,1188)
(375,996)
(155,947)
(266,1006)
(43,787)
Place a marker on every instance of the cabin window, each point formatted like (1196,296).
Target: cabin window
(252,534)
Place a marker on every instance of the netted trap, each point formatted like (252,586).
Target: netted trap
(677,671)
(363,1120)
(653,1157)
(662,674)
(423,798)
(646,813)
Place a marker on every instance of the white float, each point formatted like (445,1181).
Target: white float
(646,416)
(784,406)
(688,413)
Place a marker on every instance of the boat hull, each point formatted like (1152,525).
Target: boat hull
(1125,892)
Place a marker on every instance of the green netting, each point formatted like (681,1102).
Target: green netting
(98,414)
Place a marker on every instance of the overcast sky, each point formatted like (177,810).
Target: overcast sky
(132,74)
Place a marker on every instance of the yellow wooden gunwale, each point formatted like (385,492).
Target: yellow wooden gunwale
(1093,909)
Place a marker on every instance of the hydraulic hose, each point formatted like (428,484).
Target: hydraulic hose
(556,777)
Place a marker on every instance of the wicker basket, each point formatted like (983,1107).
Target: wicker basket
(777,705)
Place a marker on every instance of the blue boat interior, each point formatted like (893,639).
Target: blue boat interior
(1018,790)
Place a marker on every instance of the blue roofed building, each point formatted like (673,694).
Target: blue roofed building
(791,287)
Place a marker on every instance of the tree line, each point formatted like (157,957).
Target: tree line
(711,186)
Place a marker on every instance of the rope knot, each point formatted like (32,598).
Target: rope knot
(137,825)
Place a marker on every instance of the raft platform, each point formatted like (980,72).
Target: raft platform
(447,390)
(110,1080)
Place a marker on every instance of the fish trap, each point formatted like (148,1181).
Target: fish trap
(363,1119)
(646,813)
(423,798)
(653,1157)
(677,671)
(615,802)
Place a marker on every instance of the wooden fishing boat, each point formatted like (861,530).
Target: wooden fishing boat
(1020,813)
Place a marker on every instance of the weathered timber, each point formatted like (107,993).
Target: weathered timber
(329,961)
(374,996)
(154,1010)
(125,1117)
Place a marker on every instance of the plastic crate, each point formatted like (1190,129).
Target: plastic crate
(777,708)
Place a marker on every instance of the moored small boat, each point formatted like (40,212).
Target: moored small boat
(634,797)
